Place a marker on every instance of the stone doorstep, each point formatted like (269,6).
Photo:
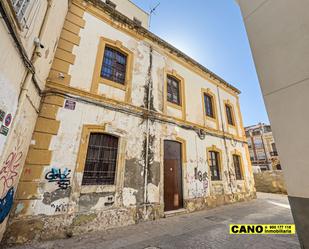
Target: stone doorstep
(172,213)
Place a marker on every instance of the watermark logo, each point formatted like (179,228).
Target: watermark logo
(262,229)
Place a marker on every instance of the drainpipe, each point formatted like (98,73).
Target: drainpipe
(253,146)
(147,132)
(224,140)
(262,138)
(28,63)
(35,56)
(23,54)
(29,76)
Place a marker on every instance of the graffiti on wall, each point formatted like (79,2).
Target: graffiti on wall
(194,183)
(6,204)
(9,170)
(59,177)
(203,177)
(62,207)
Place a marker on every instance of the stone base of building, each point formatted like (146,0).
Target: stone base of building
(197,204)
(270,181)
(40,228)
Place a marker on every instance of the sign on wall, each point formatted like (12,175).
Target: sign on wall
(8,120)
(2,115)
(4,130)
(5,121)
(69,104)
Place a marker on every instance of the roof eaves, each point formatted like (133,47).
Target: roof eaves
(124,19)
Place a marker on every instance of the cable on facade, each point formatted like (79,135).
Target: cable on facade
(23,54)
(153,116)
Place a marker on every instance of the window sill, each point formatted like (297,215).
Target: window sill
(211,118)
(85,189)
(216,181)
(232,126)
(179,107)
(113,84)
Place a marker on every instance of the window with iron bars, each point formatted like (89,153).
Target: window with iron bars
(237,166)
(101,160)
(114,65)
(173,90)
(20,7)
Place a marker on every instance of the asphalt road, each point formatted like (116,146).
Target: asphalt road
(204,229)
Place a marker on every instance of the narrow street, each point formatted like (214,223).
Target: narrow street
(204,229)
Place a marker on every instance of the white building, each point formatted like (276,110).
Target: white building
(278,34)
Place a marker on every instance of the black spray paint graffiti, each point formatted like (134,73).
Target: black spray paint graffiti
(62,179)
(202,177)
(63,207)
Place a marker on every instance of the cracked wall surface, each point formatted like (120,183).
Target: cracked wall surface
(140,117)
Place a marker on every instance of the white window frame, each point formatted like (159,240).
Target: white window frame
(22,11)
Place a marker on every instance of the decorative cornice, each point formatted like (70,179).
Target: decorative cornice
(117,16)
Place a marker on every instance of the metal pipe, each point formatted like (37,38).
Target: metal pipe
(224,141)
(153,116)
(147,131)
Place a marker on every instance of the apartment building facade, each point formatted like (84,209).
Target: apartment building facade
(129,129)
(262,148)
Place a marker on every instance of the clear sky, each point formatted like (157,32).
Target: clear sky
(212,32)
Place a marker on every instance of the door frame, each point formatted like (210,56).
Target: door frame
(183,168)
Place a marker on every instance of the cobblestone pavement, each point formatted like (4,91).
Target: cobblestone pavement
(204,229)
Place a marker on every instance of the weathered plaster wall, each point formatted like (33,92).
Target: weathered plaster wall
(51,195)
(92,203)
(270,181)
(18,96)
(131,10)
(83,69)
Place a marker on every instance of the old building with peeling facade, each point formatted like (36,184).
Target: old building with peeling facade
(129,129)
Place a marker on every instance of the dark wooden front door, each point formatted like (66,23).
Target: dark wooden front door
(172,176)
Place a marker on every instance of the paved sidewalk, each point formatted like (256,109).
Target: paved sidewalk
(199,230)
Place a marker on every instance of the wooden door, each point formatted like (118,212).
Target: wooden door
(173,198)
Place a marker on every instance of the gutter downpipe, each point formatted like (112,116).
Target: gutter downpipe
(147,134)
(225,145)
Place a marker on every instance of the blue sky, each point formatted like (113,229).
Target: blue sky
(212,32)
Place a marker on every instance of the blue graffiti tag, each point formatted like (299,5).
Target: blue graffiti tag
(61,178)
(6,204)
